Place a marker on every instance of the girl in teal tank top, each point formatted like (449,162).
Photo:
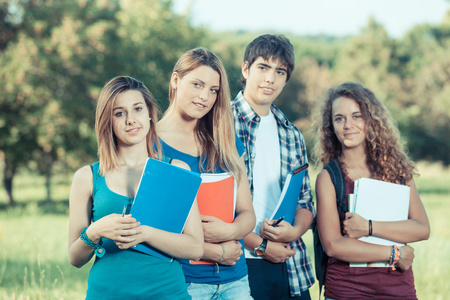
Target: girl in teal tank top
(101,196)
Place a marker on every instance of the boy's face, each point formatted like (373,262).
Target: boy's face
(264,82)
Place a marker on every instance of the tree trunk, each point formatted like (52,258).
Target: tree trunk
(8,176)
(48,177)
(48,185)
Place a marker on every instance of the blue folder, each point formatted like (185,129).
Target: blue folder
(287,204)
(164,199)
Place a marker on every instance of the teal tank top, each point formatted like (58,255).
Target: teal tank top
(128,274)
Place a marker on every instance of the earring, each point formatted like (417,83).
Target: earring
(149,119)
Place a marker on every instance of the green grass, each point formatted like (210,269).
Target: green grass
(33,241)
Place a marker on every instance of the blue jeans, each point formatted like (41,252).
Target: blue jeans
(235,290)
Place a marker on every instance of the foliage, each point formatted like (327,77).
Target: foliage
(56,56)
(55,66)
(45,84)
(426,119)
(19,107)
(151,38)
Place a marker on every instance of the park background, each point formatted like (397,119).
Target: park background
(55,56)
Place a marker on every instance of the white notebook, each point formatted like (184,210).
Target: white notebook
(378,200)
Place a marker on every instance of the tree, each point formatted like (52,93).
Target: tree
(47,106)
(19,107)
(72,51)
(9,24)
(150,39)
(371,58)
(53,70)
(426,120)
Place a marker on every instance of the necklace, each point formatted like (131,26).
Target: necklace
(354,171)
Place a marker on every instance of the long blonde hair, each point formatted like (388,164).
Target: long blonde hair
(385,154)
(106,139)
(215,131)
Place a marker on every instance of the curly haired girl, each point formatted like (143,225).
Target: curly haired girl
(358,132)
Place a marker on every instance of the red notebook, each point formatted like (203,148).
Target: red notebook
(216,197)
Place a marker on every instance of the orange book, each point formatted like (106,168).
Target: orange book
(216,197)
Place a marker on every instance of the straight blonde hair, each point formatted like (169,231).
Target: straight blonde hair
(106,139)
(215,131)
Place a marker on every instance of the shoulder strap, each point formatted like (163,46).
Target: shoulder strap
(337,177)
(95,171)
(95,176)
(321,258)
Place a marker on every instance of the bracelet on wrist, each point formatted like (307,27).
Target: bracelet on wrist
(223,254)
(395,256)
(99,250)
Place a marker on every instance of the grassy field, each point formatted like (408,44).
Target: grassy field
(33,241)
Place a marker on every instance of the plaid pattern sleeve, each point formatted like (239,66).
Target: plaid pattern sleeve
(293,155)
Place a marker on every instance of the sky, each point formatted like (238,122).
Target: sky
(301,17)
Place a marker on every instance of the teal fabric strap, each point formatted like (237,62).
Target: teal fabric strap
(99,250)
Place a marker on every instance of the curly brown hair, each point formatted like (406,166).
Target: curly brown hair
(385,154)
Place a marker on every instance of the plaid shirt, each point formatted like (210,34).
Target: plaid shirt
(293,155)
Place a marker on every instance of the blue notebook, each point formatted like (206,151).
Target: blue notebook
(164,199)
(287,204)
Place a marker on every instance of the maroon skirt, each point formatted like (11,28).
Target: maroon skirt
(344,282)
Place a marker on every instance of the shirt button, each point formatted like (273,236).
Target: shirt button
(253,155)
(257,119)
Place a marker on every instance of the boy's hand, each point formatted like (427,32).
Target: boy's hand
(282,233)
(278,252)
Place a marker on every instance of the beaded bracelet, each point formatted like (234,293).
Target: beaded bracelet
(99,250)
(395,256)
(392,255)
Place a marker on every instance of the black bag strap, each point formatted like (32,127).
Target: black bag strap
(337,177)
(321,258)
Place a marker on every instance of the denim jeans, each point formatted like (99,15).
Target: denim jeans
(235,290)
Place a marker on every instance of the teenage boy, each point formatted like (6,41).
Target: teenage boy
(279,266)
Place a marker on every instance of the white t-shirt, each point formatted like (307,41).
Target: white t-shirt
(266,172)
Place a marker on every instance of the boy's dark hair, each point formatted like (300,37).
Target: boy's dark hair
(267,46)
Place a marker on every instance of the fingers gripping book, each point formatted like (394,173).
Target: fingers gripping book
(163,200)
